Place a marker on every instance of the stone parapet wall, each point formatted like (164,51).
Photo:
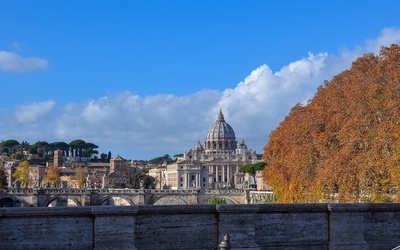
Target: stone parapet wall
(271,226)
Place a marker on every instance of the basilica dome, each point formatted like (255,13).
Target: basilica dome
(220,135)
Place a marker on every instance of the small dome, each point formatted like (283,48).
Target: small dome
(198,147)
(220,130)
(242,145)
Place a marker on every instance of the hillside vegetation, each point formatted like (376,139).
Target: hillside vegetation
(344,145)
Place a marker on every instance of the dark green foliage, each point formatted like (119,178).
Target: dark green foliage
(148,182)
(10,143)
(252,169)
(161,160)
(216,201)
(3,179)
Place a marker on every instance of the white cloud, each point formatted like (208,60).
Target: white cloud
(11,62)
(33,112)
(387,36)
(145,127)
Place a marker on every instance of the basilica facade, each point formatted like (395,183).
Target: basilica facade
(223,155)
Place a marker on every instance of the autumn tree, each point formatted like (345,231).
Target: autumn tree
(80,176)
(53,176)
(22,173)
(344,145)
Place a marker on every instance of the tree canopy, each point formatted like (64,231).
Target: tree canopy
(41,151)
(3,179)
(252,168)
(22,173)
(53,176)
(216,201)
(161,159)
(140,180)
(81,173)
(344,145)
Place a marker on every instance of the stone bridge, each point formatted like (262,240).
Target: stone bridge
(125,197)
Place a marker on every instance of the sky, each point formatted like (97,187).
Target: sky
(147,78)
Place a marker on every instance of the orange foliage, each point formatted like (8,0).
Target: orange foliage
(344,144)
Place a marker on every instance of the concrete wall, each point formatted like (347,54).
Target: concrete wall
(272,226)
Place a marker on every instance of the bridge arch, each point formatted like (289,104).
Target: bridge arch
(50,201)
(119,200)
(8,200)
(229,200)
(73,202)
(168,200)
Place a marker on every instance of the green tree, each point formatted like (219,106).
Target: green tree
(216,201)
(59,146)
(103,157)
(109,156)
(9,146)
(160,160)
(3,179)
(147,181)
(89,149)
(42,148)
(22,173)
(252,169)
(77,146)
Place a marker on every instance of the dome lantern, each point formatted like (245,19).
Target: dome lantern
(220,136)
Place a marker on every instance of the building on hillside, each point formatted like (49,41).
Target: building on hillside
(36,175)
(158,173)
(115,174)
(223,155)
(118,177)
(10,166)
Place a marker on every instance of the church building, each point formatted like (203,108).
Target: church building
(223,156)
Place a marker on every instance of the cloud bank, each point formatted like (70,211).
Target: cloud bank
(143,127)
(11,62)
(33,112)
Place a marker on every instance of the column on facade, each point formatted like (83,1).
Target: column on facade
(198,180)
(216,173)
(211,174)
(223,173)
(228,175)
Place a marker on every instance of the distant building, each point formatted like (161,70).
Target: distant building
(186,175)
(36,175)
(223,155)
(118,177)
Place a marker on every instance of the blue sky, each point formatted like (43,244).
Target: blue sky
(147,78)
